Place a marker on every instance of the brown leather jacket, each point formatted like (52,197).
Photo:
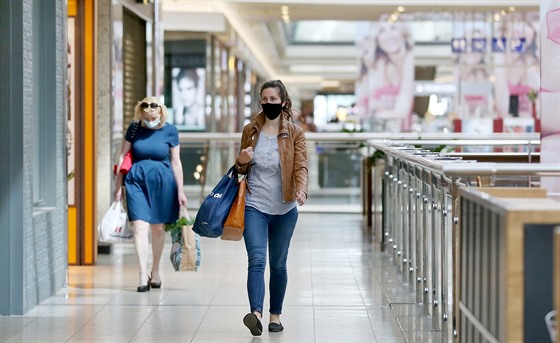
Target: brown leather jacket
(292,149)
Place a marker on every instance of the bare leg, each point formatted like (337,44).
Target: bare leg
(142,244)
(158,242)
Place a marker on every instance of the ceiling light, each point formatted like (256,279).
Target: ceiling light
(285,14)
(400,9)
(313,68)
(330,84)
(512,8)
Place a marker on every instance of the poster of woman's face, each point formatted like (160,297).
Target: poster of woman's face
(187,96)
(385,90)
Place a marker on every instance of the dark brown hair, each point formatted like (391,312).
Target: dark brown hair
(287,108)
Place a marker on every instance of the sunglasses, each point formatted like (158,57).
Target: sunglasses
(145,105)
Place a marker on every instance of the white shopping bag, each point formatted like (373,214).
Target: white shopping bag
(114,225)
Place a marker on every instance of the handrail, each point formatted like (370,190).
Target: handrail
(471,142)
(416,138)
(450,166)
(418,191)
(490,168)
(492,154)
(410,137)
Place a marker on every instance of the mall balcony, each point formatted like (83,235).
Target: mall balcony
(440,226)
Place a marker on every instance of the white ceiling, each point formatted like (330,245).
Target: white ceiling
(255,30)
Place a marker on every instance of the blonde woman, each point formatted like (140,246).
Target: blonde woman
(153,185)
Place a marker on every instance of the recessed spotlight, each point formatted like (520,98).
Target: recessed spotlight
(285,14)
(400,9)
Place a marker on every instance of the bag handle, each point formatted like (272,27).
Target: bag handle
(136,124)
(183,212)
(244,178)
(240,177)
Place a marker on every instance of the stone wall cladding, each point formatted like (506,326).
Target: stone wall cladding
(45,229)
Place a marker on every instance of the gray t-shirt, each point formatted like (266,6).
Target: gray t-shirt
(265,179)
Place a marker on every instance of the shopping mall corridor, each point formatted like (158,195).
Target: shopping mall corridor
(341,289)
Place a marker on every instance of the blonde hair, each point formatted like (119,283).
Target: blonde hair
(138,111)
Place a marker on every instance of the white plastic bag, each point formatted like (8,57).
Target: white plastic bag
(114,225)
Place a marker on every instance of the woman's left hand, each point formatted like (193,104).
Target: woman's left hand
(301,197)
(182,199)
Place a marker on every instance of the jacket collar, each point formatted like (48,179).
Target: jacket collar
(261,118)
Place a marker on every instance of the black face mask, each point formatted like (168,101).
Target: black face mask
(272,111)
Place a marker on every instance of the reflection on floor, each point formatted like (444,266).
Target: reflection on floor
(341,289)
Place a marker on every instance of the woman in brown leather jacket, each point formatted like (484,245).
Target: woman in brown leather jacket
(274,154)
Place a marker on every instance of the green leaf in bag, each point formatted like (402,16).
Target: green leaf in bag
(178,225)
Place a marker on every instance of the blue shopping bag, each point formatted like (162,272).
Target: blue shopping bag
(215,208)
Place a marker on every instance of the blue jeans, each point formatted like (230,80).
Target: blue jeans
(276,230)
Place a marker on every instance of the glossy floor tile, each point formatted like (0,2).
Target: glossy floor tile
(341,289)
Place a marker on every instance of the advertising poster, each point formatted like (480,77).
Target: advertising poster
(471,50)
(515,53)
(385,87)
(550,91)
(187,93)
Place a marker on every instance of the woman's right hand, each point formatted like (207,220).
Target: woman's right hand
(245,156)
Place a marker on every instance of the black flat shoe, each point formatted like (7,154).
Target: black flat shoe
(143,288)
(253,323)
(154,284)
(275,327)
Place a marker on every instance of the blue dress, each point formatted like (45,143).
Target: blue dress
(151,189)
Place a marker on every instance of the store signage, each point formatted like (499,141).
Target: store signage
(517,44)
(462,45)
(478,45)
(500,44)
(425,88)
(458,44)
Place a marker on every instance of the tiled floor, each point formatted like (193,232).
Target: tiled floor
(341,289)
